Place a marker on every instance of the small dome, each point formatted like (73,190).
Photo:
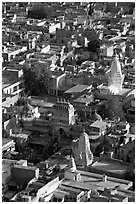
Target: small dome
(97,116)
(29,106)
(72,165)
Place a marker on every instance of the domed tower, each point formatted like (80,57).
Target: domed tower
(116,78)
(97,116)
(84,155)
(72,165)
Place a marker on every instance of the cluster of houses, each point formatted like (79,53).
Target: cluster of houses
(80,80)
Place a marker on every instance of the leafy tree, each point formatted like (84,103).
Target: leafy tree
(30,81)
(22,4)
(41,10)
(131,8)
(107,21)
(98,150)
(21,101)
(111,109)
(44,81)
(36,84)
(93,46)
(37,11)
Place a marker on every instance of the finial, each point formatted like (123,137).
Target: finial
(114,52)
(83,130)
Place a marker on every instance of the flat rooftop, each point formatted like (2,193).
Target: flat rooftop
(21,135)
(8,81)
(25,167)
(111,165)
(124,91)
(43,102)
(5,141)
(84,99)
(6,170)
(98,124)
(95,181)
(46,104)
(77,89)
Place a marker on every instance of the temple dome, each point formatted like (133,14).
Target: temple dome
(72,165)
(97,116)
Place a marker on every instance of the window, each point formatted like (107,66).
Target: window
(21,86)
(15,89)
(11,57)
(4,99)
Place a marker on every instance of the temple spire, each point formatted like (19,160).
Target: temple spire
(116,77)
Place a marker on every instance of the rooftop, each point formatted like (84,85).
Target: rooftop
(98,123)
(124,91)
(6,170)
(92,181)
(77,89)
(111,165)
(21,135)
(84,99)
(6,140)
(8,81)
(25,167)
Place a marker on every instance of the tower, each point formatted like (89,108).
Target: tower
(63,112)
(72,165)
(116,78)
(84,155)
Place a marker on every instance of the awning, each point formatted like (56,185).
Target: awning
(38,142)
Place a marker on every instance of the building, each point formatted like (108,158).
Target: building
(127,151)
(63,113)
(36,191)
(11,51)
(81,102)
(77,90)
(82,186)
(16,175)
(106,50)
(109,166)
(8,146)
(98,128)
(114,88)
(12,87)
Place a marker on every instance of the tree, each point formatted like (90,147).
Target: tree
(131,8)
(111,109)
(36,84)
(44,81)
(98,150)
(30,77)
(22,4)
(93,46)
(37,11)
(107,21)
(41,10)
